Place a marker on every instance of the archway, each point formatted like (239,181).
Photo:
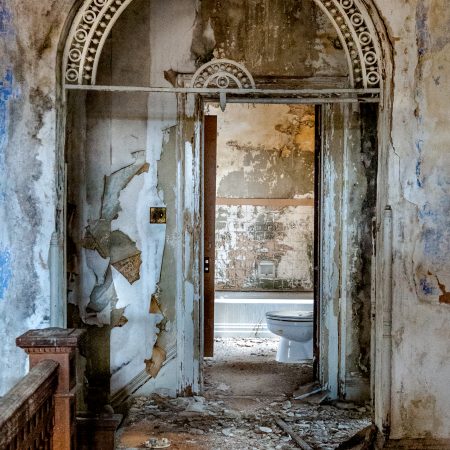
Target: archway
(350,18)
(359,37)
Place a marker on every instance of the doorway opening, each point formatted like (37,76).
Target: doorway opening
(260,246)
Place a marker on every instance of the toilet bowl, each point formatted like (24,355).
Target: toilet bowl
(296,331)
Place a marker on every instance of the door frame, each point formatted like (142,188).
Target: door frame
(332,326)
(209,215)
(327,364)
(209,146)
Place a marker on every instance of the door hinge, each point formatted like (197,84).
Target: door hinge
(206,265)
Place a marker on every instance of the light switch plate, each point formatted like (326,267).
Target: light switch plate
(158,215)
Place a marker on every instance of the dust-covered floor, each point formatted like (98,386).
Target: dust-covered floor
(246,391)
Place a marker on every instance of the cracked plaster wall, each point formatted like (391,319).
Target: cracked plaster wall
(265,152)
(418,185)
(29,35)
(119,129)
(419,181)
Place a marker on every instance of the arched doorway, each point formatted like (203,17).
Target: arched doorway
(112,262)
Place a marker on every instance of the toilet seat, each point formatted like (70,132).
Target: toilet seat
(291,316)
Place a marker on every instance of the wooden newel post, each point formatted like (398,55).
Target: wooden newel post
(58,345)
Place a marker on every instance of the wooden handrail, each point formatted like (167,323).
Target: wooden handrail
(27,410)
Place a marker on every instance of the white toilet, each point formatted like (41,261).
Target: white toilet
(296,331)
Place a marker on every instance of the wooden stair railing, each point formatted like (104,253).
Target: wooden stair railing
(39,413)
(27,410)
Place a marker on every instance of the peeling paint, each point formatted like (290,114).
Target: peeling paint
(117,182)
(5,271)
(6,93)
(264,248)
(445,297)
(116,246)
(153,366)
(265,152)
(154,306)
(5,19)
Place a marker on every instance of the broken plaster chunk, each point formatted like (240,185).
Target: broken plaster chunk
(157,443)
(154,365)
(223,387)
(117,182)
(130,267)
(228,432)
(103,294)
(125,256)
(196,407)
(97,237)
(154,305)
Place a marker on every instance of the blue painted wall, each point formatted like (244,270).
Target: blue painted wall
(6,93)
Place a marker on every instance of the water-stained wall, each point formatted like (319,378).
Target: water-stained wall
(265,197)
(278,29)
(29,207)
(419,192)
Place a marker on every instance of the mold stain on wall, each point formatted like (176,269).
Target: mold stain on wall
(282,28)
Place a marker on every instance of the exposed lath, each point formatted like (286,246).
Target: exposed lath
(96,18)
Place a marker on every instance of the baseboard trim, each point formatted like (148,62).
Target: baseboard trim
(137,382)
(418,444)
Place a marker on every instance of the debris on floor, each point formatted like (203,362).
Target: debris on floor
(243,405)
(362,440)
(235,424)
(297,439)
(247,367)
(157,443)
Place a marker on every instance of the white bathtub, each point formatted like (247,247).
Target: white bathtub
(243,314)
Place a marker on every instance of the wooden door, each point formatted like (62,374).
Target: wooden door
(210,158)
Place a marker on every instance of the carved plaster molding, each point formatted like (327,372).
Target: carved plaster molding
(350,18)
(359,39)
(223,74)
(87,37)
